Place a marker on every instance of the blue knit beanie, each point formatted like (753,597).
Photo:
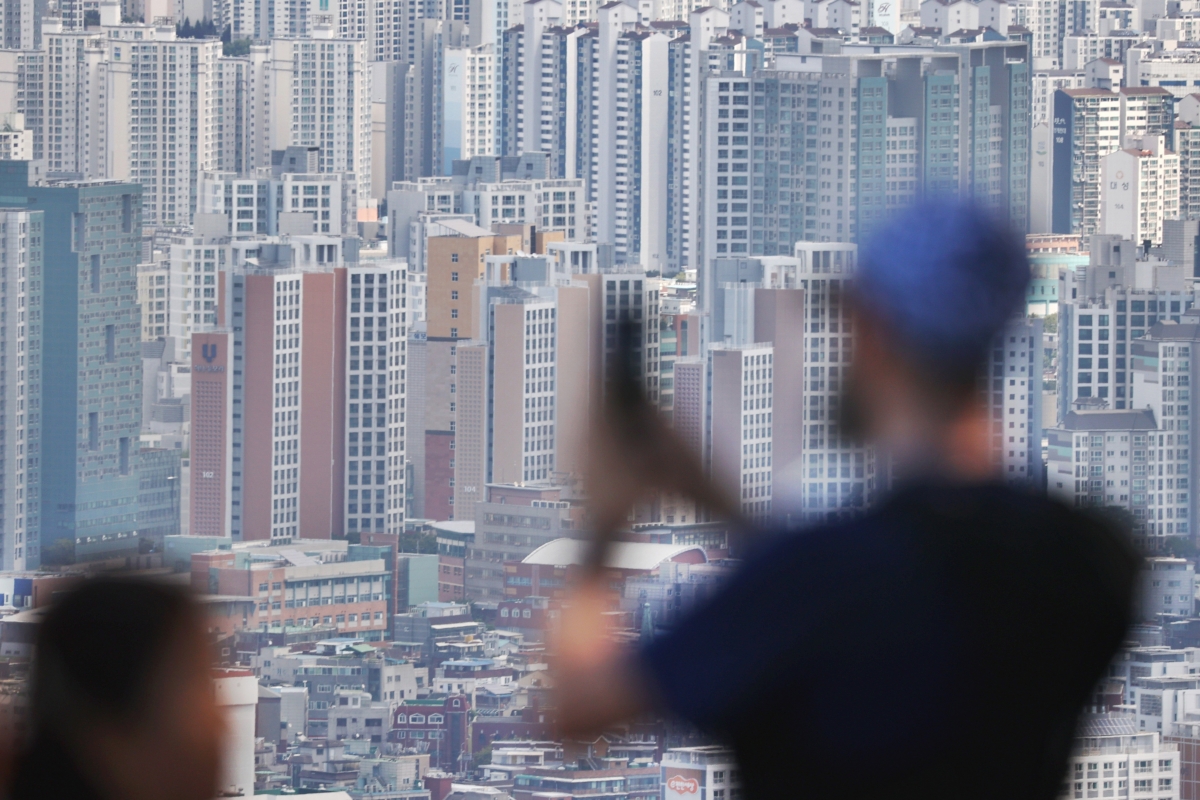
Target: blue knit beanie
(945,277)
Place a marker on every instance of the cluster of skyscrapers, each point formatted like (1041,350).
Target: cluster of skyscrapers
(345,270)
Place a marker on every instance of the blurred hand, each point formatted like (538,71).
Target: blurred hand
(633,454)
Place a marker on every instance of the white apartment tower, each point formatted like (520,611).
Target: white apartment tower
(375,397)
(1098,457)
(1139,189)
(629,136)
(314,92)
(1163,364)
(740,424)
(21,248)
(468,104)
(131,102)
(1013,392)
(173,120)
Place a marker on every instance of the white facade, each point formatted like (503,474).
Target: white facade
(375,396)
(237,696)
(172,128)
(1167,589)
(741,424)
(253,205)
(630,138)
(132,102)
(468,104)
(21,247)
(1139,190)
(1045,84)
(1099,458)
(1162,383)
(314,93)
(1174,70)
(1113,759)
(689,773)
(16,141)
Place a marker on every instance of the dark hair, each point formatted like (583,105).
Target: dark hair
(99,647)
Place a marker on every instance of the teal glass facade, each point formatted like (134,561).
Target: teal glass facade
(91,358)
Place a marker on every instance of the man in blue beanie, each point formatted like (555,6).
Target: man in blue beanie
(942,645)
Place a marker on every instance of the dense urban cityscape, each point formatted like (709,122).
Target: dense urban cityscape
(311,307)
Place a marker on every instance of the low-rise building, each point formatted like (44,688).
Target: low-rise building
(1167,588)
(308,583)
(1113,758)
(436,724)
(699,772)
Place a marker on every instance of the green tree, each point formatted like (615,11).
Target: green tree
(418,542)
(238,47)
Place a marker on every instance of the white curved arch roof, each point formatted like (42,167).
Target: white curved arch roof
(622,555)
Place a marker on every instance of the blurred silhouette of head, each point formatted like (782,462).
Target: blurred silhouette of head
(122,684)
(935,284)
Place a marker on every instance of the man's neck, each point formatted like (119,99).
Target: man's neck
(956,450)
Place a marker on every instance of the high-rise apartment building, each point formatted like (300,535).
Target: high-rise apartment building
(708,47)
(211,510)
(1102,310)
(625,127)
(489,190)
(299,392)
(1139,189)
(1012,389)
(515,405)
(376,375)
(91,401)
(468,104)
(454,299)
(1187,147)
(171,118)
(288,325)
(788,301)
(1098,457)
(1146,111)
(16,141)
(126,102)
(740,416)
(21,23)
(22,276)
(198,268)
(534,58)
(22,78)
(630,298)
(1087,126)
(314,92)
(255,205)
(1162,364)
(844,138)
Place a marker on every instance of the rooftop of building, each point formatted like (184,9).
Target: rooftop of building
(1097,725)
(1088,92)
(1144,90)
(1175,331)
(1139,419)
(640,556)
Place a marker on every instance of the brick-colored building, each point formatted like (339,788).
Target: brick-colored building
(437,724)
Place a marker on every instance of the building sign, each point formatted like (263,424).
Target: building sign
(681,785)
